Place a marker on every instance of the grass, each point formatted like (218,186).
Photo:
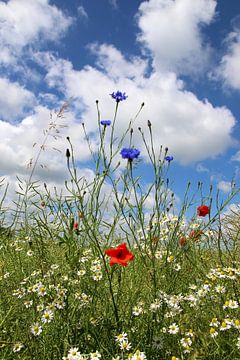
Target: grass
(60,298)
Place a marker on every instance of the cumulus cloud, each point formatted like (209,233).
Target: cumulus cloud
(113,3)
(225,186)
(229,68)
(171,30)
(14,99)
(31,135)
(82,12)
(112,62)
(28,22)
(192,129)
(236,157)
(201,168)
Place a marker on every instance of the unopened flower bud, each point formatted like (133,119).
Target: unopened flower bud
(68,153)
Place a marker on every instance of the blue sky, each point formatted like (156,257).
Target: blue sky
(181,57)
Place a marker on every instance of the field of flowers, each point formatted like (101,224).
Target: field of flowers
(94,273)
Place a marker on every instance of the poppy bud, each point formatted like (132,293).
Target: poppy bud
(149,123)
(182,241)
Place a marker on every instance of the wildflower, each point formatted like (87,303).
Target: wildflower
(121,337)
(120,255)
(170,258)
(220,289)
(155,305)
(214,322)
(119,96)
(105,122)
(196,234)
(168,158)
(236,324)
(74,354)
(17,347)
(41,290)
(182,241)
(75,226)
(137,310)
(225,326)
(47,316)
(174,358)
(232,304)
(97,276)
(29,253)
(59,304)
(186,341)
(177,267)
(238,343)
(203,210)
(95,356)
(173,329)
(40,307)
(36,329)
(125,345)
(213,332)
(28,303)
(130,153)
(139,356)
(81,272)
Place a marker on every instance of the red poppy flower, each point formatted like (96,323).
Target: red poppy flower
(75,226)
(182,241)
(203,210)
(120,255)
(195,234)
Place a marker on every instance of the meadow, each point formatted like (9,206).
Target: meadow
(100,272)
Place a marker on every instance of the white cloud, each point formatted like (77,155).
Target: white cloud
(113,3)
(171,31)
(225,186)
(21,142)
(229,69)
(236,157)
(192,129)
(28,22)
(13,100)
(201,168)
(82,12)
(112,62)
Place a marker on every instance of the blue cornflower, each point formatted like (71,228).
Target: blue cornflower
(105,122)
(119,96)
(168,158)
(130,153)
